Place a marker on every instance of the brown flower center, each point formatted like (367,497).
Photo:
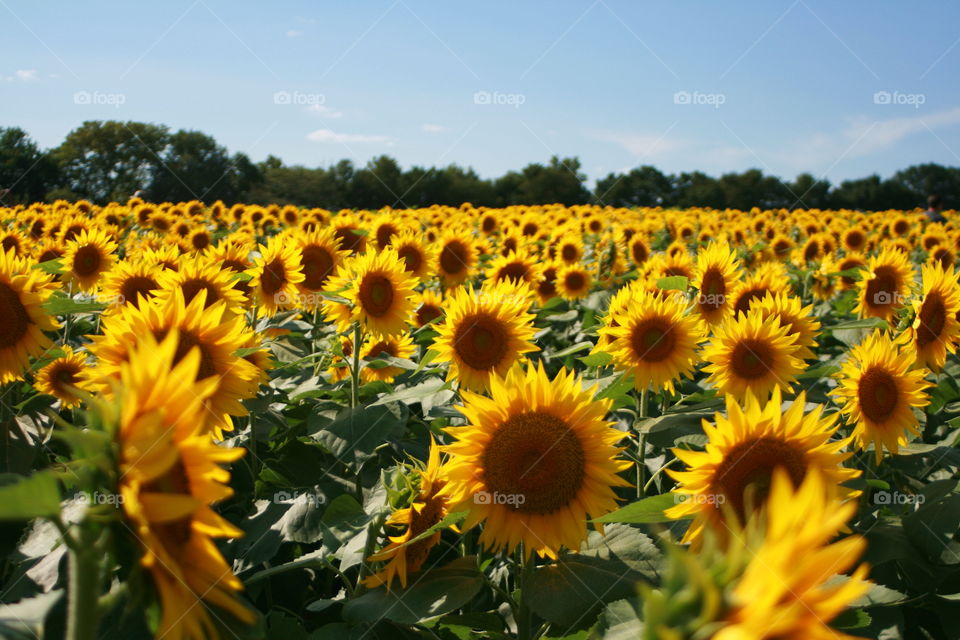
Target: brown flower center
(653,340)
(878,394)
(14,319)
(534,464)
(750,359)
(481,341)
(744,476)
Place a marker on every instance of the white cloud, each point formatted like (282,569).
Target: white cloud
(434,128)
(22,75)
(326,136)
(324,110)
(643,145)
(293,33)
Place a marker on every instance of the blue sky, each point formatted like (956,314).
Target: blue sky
(839,89)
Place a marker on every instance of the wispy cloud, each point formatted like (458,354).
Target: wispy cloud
(641,144)
(294,33)
(434,128)
(326,136)
(324,111)
(22,75)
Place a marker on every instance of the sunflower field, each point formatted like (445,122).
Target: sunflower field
(533,422)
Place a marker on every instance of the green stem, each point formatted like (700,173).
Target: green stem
(525,615)
(642,444)
(83,586)
(316,342)
(373,533)
(355,369)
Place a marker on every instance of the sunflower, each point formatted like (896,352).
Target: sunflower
(275,276)
(546,287)
(340,363)
(428,509)
(799,320)
(885,286)
(198,274)
(216,333)
(569,249)
(639,250)
(850,262)
(394,346)
(429,308)
(655,338)
(419,258)
(732,475)
(320,255)
(519,266)
(535,461)
(170,475)
(484,334)
(573,282)
(879,389)
(854,239)
(935,330)
(787,590)
(23,320)
(717,273)
(380,292)
(767,278)
(457,258)
(86,258)
(824,281)
(63,377)
(752,353)
(232,256)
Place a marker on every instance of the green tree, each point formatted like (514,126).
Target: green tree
(194,167)
(807,192)
(26,170)
(644,186)
(110,160)
(927,179)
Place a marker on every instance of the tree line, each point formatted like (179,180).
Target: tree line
(110,160)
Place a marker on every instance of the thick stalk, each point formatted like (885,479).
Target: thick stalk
(83,586)
(355,369)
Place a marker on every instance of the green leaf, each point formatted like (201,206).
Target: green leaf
(36,496)
(246,351)
(673,283)
(414,394)
(54,266)
(865,323)
(360,430)
(644,511)
(932,526)
(25,619)
(576,348)
(60,305)
(599,359)
(431,594)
